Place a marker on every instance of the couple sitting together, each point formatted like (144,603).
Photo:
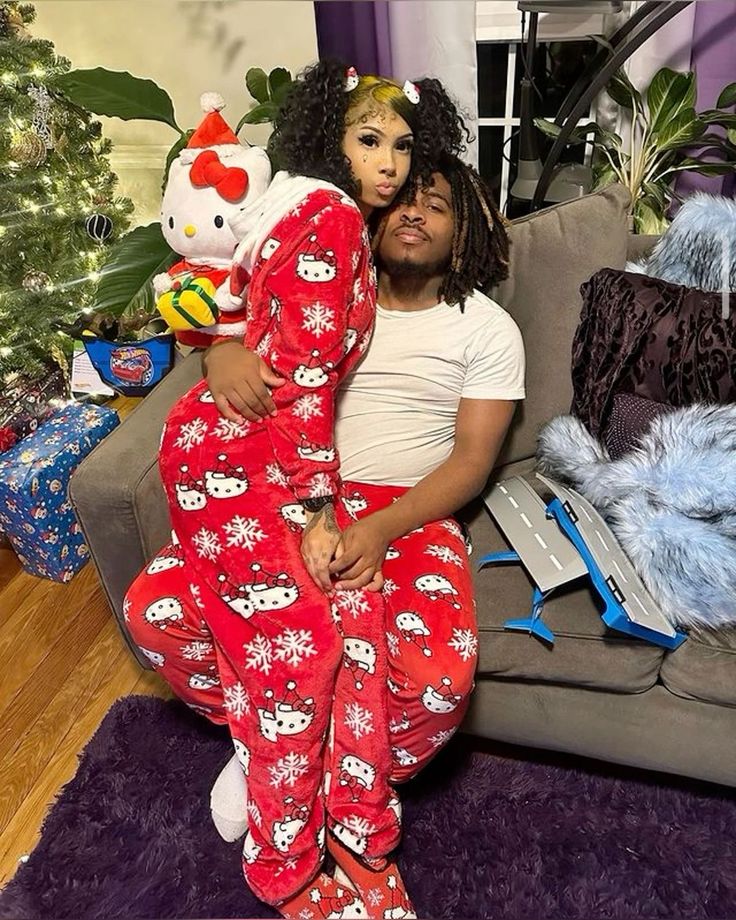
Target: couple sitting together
(312,478)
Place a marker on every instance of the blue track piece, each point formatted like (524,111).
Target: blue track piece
(615,615)
(533,624)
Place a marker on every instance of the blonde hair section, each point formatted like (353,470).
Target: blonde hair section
(382,93)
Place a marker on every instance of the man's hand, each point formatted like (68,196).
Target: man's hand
(239,381)
(360,555)
(319,542)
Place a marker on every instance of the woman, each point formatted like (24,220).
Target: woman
(240,493)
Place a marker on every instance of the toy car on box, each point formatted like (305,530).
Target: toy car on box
(131,368)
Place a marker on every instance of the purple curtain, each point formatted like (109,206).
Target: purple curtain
(714,61)
(355,32)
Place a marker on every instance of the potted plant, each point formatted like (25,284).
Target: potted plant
(667,136)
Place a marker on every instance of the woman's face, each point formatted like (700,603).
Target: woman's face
(378,144)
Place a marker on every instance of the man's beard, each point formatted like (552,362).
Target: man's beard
(407,270)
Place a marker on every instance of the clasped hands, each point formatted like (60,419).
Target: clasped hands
(344,560)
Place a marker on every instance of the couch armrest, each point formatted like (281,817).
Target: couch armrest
(117,494)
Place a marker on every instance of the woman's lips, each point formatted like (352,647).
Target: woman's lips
(386,189)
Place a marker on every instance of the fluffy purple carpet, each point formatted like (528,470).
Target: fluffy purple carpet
(485,836)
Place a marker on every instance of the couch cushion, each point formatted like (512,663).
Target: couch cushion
(704,667)
(585,653)
(552,253)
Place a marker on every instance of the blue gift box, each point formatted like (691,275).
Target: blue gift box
(35,512)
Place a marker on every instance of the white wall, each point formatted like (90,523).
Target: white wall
(187,47)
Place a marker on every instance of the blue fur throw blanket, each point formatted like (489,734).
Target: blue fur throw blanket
(671,503)
(698,249)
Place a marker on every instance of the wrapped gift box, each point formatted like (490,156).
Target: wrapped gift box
(35,512)
(25,403)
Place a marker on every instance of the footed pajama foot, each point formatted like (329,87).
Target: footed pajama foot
(325,898)
(382,889)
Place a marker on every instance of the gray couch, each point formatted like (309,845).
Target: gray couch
(594,693)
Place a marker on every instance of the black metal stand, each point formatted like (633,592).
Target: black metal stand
(647,20)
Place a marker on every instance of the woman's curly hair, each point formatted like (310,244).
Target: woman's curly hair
(309,129)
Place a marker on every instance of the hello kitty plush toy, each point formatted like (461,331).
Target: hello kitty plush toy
(212,179)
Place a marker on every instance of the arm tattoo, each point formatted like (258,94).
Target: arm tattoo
(326,514)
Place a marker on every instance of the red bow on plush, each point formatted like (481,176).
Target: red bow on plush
(231,182)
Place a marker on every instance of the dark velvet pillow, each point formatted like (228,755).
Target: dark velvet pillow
(638,335)
(629,419)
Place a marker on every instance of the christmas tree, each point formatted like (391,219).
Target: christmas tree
(58,208)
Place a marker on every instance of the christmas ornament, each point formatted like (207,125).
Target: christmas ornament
(27,149)
(98,226)
(41,113)
(35,281)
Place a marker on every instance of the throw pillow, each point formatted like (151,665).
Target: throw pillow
(671,344)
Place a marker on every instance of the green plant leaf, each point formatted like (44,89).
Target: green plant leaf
(258,115)
(710,169)
(176,149)
(680,130)
(648,219)
(130,267)
(669,94)
(603,174)
(257,83)
(623,92)
(731,135)
(656,193)
(117,94)
(727,97)
(279,78)
(716,117)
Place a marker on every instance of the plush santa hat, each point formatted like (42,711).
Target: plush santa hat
(316,253)
(261,579)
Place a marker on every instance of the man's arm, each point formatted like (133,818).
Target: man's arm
(480,430)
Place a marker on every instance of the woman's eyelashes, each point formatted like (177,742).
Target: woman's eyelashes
(370,140)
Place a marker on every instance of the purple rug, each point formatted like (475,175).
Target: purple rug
(485,835)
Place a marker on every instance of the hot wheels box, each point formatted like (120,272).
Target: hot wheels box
(35,513)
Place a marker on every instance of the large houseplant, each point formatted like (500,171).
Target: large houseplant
(667,136)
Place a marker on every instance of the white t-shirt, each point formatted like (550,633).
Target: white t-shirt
(396,412)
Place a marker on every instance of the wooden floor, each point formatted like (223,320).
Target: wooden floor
(62,665)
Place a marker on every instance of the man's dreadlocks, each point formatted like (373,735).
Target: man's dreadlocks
(480,244)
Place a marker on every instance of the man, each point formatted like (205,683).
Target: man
(418,427)
(425,414)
